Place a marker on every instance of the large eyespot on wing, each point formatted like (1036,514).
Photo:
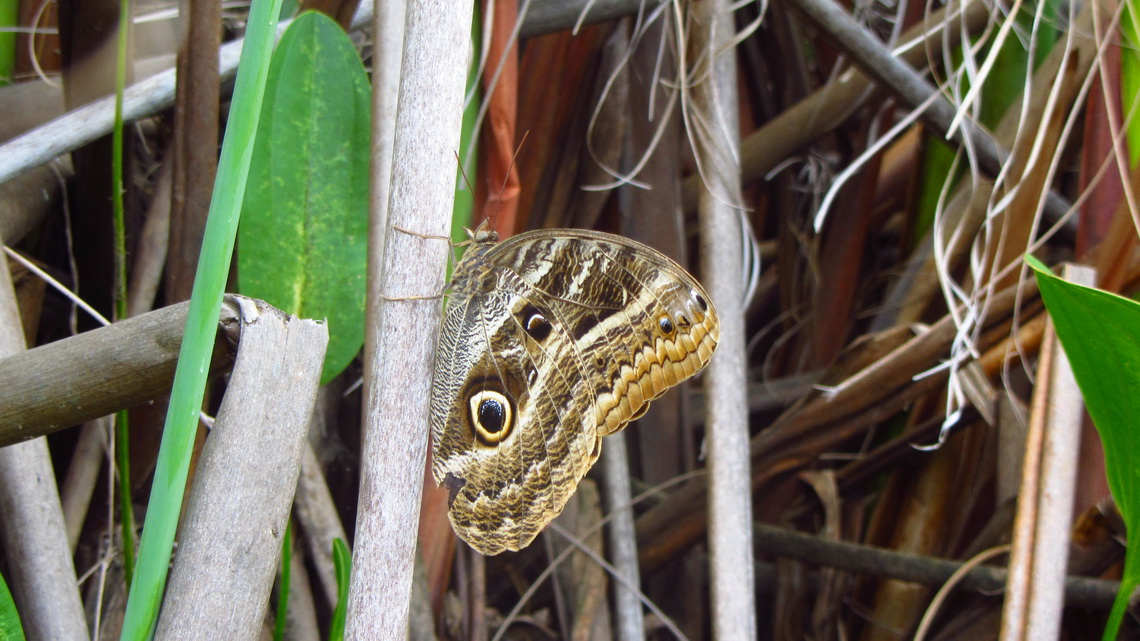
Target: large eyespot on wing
(490,411)
(491,457)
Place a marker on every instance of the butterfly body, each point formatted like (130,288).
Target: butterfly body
(551,340)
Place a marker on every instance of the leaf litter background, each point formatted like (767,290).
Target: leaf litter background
(888,319)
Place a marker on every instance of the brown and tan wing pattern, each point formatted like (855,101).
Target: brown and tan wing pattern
(551,340)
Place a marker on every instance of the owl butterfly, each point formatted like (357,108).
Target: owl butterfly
(551,340)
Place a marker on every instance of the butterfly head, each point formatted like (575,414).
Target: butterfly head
(483,234)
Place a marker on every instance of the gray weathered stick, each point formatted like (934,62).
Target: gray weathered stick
(628,617)
(436,46)
(301,612)
(32,531)
(546,16)
(318,518)
(230,542)
(82,474)
(716,136)
(92,374)
(388,36)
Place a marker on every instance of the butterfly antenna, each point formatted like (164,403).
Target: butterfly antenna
(471,188)
(511,167)
(462,172)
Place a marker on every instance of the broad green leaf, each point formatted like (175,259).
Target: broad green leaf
(1100,332)
(10,628)
(302,244)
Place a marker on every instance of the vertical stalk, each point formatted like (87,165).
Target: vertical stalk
(173,464)
(716,141)
(408,273)
(122,430)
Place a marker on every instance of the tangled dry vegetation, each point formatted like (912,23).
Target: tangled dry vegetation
(875,172)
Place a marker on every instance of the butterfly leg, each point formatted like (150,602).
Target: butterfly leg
(421,235)
(432,297)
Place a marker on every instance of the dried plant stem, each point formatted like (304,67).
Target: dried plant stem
(436,44)
(1035,594)
(913,90)
(82,475)
(1080,591)
(301,613)
(33,533)
(717,145)
(388,36)
(830,105)
(623,545)
(872,395)
(93,374)
(194,143)
(316,513)
(230,542)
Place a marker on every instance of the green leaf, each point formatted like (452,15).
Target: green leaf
(9,20)
(461,211)
(302,244)
(1100,332)
(342,562)
(283,584)
(10,628)
(1130,78)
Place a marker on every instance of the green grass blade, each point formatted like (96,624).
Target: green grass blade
(283,590)
(122,430)
(9,19)
(342,562)
(1100,332)
(10,628)
(303,238)
(201,325)
(1130,78)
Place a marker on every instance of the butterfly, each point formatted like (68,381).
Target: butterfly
(551,340)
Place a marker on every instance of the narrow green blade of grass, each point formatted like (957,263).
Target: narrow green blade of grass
(201,326)
(10,628)
(342,563)
(283,589)
(1100,332)
(1130,79)
(122,428)
(9,18)
(303,239)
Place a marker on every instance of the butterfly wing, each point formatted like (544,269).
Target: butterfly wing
(552,340)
